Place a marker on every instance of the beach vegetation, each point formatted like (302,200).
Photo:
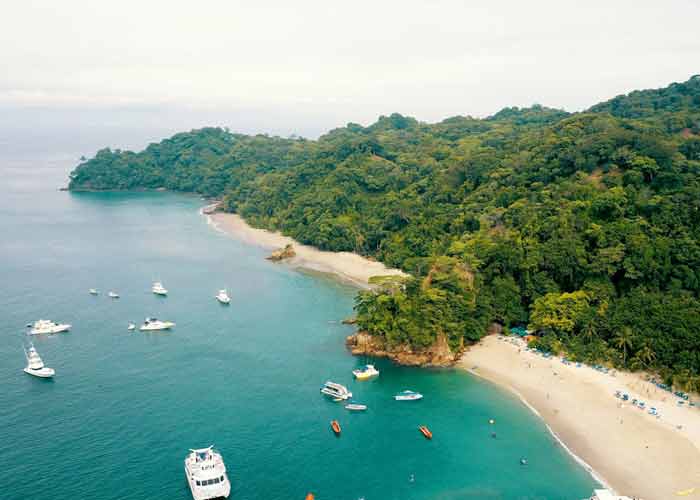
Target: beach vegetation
(585,226)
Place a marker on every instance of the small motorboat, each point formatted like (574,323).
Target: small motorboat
(94,291)
(355,407)
(113,295)
(310,496)
(159,289)
(223,297)
(408,396)
(131,326)
(153,324)
(337,391)
(366,372)
(336,427)
(425,431)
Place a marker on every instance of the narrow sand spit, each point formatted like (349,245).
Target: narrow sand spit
(635,453)
(348,266)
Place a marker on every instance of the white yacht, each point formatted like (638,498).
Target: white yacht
(47,326)
(408,396)
(35,366)
(131,326)
(152,324)
(368,371)
(206,474)
(336,391)
(223,297)
(159,289)
(94,291)
(113,295)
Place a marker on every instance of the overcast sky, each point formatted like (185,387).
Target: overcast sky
(307,66)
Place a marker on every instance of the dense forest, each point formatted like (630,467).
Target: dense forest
(584,227)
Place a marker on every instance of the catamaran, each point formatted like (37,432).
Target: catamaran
(159,289)
(47,326)
(223,297)
(336,391)
(368,371)
(152,324)
(35,366)
(206,474)
(408,396)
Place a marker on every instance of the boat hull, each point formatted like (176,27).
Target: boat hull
(42,373)
(155,328)
(50,331)
(354,407)
(408,398)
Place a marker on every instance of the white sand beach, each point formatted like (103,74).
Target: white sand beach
(633,452)
(349,266)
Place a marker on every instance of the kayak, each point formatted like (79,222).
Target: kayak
(426,432)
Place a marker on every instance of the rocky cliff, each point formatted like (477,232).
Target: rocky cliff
(437,354)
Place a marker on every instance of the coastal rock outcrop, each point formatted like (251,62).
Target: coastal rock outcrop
(437,354)
(283,253)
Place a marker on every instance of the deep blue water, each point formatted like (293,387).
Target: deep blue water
(123,409)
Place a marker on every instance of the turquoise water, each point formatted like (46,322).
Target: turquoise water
(124,408)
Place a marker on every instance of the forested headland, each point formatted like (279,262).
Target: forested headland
(584,227)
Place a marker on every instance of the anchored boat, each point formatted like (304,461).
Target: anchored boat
(337,391)
(368,371)
(47,326)
(153,324)
(355,407)
(223,297)
(336,427)
(159,289)
(35,366)
(408,396)
(206,474)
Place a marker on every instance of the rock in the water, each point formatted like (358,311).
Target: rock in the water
(349,321)
(283,253)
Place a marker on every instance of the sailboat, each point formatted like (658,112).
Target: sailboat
(35,366)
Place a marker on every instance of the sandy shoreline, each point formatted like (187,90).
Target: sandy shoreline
(348,266)
(633,452)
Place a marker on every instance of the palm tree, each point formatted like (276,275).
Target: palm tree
(589,331)
(623,340)
(646,355)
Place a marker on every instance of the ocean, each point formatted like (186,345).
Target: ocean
(118,419)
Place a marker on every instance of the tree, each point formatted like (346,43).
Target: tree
(623,340)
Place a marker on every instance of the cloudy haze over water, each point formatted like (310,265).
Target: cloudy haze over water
(307,66)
